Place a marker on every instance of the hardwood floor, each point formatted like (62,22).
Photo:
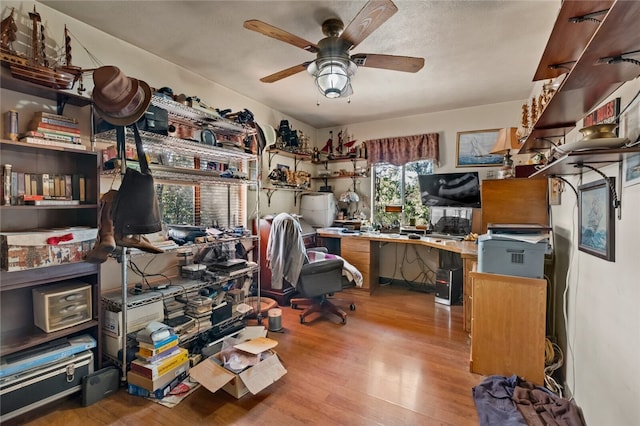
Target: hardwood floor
(401,359)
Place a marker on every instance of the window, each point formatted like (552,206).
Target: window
(205,204)
(398,186)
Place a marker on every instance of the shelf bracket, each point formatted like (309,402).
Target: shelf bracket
(575,191)
(271,154)
(620,58)
(61,102)
(614,196)
(270,192)
(566,65)
(588,17)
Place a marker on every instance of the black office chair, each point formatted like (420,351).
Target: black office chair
(315,281)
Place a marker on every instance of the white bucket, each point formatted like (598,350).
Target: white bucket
(275,319)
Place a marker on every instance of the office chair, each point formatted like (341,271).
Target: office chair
(314,282)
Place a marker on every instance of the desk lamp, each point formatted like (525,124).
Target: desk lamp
(507,140)
(348,198)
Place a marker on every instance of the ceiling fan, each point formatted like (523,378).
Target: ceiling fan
(334,66)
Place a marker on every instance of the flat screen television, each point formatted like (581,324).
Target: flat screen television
(450,189)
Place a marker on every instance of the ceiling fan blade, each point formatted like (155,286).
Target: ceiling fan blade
(282,35)
(388,62)
(285,73)
(372,15)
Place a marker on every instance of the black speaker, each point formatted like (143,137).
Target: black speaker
(449,286)
(99,385)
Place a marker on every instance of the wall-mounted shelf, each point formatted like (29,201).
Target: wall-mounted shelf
(202,117)
(296,191)
(327,161)
(61,97)
(155,142)
(297,156)
(590,81)
(558,57)
(570,163)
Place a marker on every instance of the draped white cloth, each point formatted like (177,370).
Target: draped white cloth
(285,250)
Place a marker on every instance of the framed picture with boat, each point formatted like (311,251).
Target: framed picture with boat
(472,149)
(596,219)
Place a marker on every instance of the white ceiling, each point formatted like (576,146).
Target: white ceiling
(476,52)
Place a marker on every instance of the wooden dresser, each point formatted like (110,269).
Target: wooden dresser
(508,326)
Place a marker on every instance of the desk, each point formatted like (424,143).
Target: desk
(362,251)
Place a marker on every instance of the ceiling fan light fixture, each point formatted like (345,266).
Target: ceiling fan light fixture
(333,76)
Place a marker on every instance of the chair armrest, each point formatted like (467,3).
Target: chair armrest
(318,249)
(321,277)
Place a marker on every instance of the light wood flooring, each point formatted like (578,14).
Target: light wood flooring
(401,359)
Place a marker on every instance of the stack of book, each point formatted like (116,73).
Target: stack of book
(159,366)
(200,308)
(46,128)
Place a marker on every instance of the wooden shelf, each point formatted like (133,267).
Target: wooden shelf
(590,82)
(339,177)
(60,96)
(569,164)
(558,57)
(31,336)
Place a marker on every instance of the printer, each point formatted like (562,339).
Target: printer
(514,249)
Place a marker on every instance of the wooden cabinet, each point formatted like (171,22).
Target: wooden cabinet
(508,326)
(514,201)
(364,255)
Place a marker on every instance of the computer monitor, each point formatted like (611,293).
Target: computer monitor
(450,189)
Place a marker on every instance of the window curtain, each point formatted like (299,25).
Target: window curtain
(403,149)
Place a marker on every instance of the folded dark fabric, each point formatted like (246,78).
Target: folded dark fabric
(539,407)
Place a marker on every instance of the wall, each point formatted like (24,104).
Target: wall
(446,124)
(601,335)
(603,321)
(157,72)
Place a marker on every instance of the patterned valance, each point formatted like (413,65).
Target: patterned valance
(404,149)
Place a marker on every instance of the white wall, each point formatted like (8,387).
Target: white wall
(603,322)
(447,124)
(601,341)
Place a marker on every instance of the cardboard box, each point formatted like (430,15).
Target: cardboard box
(40,248)
(213,376)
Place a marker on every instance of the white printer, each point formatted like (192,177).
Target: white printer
(514,249)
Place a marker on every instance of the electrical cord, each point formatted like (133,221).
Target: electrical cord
(554,359)
(426,276)
(570,338)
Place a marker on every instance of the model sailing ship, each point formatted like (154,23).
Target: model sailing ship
(36,67)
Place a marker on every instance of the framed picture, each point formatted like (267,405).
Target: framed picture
(631,168)
(472,149)
(596,219)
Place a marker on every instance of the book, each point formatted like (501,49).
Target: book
(51,135)
(158,389)
(38,125)
(61,144)
(159,357)
(49,116)
(155,370)
(159,346)
(50,202)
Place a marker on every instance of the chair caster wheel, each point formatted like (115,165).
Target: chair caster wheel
(301,320)
(352,306)
(344,320)
(294,306)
